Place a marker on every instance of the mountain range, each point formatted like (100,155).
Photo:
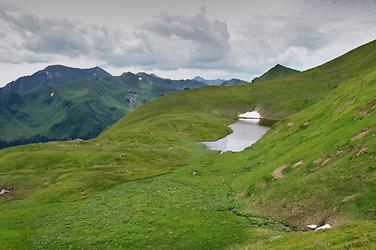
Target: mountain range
(60,102)
(208,81)
(219,82)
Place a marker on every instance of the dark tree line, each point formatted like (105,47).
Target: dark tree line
(23,141)
(42,138)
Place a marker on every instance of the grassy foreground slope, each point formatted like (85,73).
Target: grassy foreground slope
(133,185)
(321,161)
(317,167)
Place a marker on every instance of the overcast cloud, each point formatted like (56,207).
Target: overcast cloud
(182,44)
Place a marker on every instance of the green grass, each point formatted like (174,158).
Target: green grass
(357,235)
(132,187)
(277,72)
(335,184)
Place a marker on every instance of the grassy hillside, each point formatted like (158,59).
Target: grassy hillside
(133,185)
(325,164)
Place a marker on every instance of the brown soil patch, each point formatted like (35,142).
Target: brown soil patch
(346,105)
(318,161)
(360,135)
(298,164)
(362,112)
(362,150)
(325,162)
(321,161)
(349,198)
(340,152)
(278,172)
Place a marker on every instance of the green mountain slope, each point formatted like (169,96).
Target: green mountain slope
(233,82)
(133,186)
(324,173)
(61,102)
(277,72)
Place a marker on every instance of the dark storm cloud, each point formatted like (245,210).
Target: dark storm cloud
(169,41)
(42,37)
(206,40)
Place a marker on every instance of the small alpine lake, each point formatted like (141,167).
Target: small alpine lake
(246,131)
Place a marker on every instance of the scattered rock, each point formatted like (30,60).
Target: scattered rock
(363,150)
(339,152)
(306,123)
(290,124)
(278,172)
(298,164)
(322,161)
(349,198)
(326,226)
(131,99)
(360,135)
(318,161)
(325,162)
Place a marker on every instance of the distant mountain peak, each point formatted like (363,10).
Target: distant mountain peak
(232,82)
(208,81)
(280,66)
(54,75)
(276,72)
(198,78)
(125,74)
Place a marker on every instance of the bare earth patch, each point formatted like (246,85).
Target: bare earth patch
(359,136)
(325,161)
(346,105)
(298,164)
(278,172)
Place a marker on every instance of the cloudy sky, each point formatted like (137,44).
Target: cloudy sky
(179,38)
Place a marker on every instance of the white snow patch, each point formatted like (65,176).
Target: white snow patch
(313,226)
(326,226)
(4,191)
(250,115)
(140,78)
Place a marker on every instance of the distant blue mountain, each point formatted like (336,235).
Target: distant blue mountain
(207,81)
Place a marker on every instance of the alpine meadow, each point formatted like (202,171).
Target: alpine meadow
(93,160)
